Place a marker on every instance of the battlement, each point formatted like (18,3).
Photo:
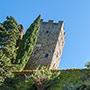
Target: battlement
(50,21)
(50,27)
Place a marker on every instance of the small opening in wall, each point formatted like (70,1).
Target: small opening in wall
(47,31)
(46,55)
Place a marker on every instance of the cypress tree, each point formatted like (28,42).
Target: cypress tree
(9,34)
(9,39)
(5,67)
(28,43)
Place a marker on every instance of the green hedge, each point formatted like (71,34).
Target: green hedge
(49,80)
(72,79)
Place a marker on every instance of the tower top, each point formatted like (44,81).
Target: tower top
(51,21)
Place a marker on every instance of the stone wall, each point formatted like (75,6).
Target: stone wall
(49,45)
(58,49)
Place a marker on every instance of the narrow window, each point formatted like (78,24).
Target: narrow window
(47,31)
(46,55)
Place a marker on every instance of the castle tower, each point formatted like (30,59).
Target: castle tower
(49,46)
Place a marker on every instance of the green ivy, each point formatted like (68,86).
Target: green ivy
(41,79)
(72,79)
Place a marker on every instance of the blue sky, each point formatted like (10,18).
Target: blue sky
(74,13)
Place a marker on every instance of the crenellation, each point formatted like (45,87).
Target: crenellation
(60,22)
(50,21)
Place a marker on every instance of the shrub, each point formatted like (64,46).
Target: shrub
(78,86)
(87,65)
(43,78)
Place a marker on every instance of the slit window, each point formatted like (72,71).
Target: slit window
(47,31)
(46,55)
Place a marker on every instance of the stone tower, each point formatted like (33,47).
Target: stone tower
(49,46)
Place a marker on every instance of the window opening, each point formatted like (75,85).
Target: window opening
(47,31)
(46,55)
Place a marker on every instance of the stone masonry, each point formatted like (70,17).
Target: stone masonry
(49,46)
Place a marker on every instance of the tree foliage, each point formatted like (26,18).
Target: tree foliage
(10,58)
(78,86)
(27,44)
(43,78)
(9,34)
